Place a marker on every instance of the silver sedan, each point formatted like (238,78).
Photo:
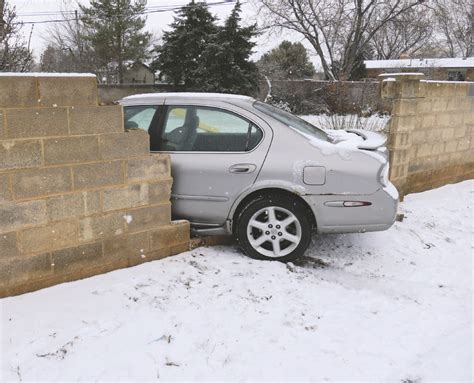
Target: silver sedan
(269,178)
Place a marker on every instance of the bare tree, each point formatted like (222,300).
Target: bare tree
(411,33)
(67,50)
(15,54)
(454,23)
(340,31)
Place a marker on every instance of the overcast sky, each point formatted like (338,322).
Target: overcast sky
(156,22)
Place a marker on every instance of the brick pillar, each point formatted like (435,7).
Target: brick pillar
(404,90)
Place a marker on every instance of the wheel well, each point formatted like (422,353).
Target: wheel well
(273,191)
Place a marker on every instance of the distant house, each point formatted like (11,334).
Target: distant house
(138,73)
(452,69)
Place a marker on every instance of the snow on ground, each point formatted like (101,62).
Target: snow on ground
(374,123)
(388,306)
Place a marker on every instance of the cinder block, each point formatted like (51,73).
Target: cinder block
(69,150)
(128,246)
(423,106)
(451,146)
(68,91)
(36,122)
(403,124)
(8,247)
(159,192)
(467,104)
(3,131)
(178,249)
(460,131)
(440,105)
(454,104)
(447,133)
(428,121)
(433,135)
(153,167)
(41,182)
(102,226)
(444,120)
(70,206)
(404,107)
(74,258)
(20,154)
(92,202)
(418,136)
(148,217)
(177,233)
(424,150)
(125,197)
(46,238)
(19,270)
(65,207)
(14,216)
(438,148)
(469,116)
(5,194)
(96,120)
(132,143)
(456,158)
(98,174)
(18,92)
(464,144)
(155,255)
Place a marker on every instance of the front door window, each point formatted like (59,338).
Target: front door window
(202,129)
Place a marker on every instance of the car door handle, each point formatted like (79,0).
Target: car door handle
(242,168)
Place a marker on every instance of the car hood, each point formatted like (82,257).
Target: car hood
(357,138)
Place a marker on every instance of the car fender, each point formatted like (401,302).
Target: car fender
(266,184)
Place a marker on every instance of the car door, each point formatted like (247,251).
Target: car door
(216,153)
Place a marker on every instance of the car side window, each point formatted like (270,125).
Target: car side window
(203,129)
(139,117)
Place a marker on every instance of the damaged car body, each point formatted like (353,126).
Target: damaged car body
(269,178)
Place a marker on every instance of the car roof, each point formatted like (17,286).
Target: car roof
(152,98)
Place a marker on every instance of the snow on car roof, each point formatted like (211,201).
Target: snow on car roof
(186,95)
(421,63)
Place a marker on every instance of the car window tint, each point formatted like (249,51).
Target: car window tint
(139,117)
(255,137)
(203,129)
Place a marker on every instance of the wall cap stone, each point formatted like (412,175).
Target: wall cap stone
(45,74)
(402,76)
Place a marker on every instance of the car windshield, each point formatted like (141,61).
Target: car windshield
(291,120)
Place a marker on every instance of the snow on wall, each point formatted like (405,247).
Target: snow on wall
(421,63)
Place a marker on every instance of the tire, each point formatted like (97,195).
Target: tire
(273,227)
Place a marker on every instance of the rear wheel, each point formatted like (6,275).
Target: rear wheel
(273,227)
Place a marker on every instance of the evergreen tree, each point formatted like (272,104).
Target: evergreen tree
(205,57)
(227,67)
(115,30)
(180,56)
(287,61)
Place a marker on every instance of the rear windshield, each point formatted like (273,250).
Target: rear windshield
(290,120)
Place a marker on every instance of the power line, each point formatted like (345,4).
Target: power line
(148,10)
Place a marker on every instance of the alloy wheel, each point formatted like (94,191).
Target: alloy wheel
(274,231)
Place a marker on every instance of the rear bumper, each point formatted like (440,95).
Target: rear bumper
(379,215)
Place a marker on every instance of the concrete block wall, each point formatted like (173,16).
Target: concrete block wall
(432,131)
(79,195)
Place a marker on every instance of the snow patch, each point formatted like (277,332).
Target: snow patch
(128,218)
